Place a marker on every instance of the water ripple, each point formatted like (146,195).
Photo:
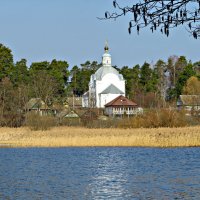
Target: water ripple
(100,173)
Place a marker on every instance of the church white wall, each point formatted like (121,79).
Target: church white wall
(106,98)
(103,84)
(110,79)
(114,79)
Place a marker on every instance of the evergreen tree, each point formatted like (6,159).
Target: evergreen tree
(20,73)
(176,66)
(136,80)
(183,77)
(80,77)
(129,78)
(39,66)
(6,62)
(148,78)
(59,70)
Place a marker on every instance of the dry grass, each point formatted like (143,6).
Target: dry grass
(70,136)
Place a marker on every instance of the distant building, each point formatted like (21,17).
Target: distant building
(105,85)
(73,102)
(122,106)
(189,102)
(68,114)
(68,117)
(38,106)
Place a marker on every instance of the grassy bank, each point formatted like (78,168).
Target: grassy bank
(68,136)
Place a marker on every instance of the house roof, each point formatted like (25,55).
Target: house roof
(36,103)
(121,101)
(112,89)
(68,114)
(189,100)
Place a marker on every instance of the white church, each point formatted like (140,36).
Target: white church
(105,85)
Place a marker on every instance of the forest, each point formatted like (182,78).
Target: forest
(149,85)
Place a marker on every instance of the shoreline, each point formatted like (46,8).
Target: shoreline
(84,137)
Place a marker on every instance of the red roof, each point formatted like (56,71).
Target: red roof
(121,101)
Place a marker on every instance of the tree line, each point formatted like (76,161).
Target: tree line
(150,85)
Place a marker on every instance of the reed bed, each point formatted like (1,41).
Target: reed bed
(83,137)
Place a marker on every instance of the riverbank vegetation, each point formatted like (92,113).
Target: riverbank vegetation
(155,118)
(81,137)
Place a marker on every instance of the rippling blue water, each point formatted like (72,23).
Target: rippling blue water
(100,173)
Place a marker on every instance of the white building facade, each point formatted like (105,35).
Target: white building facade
(105,85)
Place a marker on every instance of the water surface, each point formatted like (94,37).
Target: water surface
(100,173)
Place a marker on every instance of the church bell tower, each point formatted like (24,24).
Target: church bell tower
(106,59)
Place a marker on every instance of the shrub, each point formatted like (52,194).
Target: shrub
(36,122)
(69,122)
(155,119)
(110,123)
(12,120)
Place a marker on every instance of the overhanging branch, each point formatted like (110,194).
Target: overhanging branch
(160,15)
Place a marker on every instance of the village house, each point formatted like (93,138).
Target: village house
(189,103)
(38,106)
(68,117)
(122,106)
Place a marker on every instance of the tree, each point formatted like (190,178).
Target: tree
(192,86)
(11,104)
(147,78)
(177,69)
(20,73)
(56,69)
(128,76)
(39,66)
(44,86)
(74,74)
(160,15)
(6,62)
(197,68)
(87,69)
(136,80)
(59,70)
(172,70)
(80,77)
(160,70)
(180,66)
(183,77)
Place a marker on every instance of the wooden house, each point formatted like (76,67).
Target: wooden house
(69,117)
(38,106)
(121,106)
(189,103)
(68,114)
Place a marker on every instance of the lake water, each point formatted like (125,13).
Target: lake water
(100,173)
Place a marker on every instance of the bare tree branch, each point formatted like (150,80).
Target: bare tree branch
(160,15)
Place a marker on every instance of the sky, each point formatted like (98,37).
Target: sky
(43,30)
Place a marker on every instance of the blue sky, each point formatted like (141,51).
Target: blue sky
(40,30)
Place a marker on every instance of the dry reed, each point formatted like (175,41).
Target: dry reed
(80,137)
